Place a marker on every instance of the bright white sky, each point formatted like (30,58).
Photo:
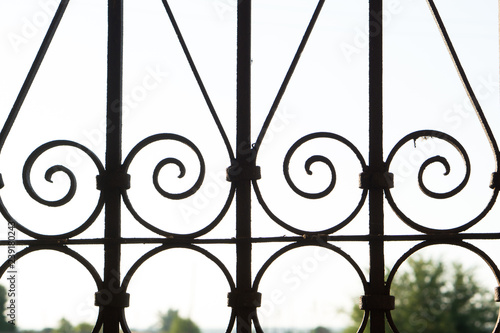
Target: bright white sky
(328,92)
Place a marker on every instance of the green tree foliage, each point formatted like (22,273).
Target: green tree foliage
(64,326)
(320,329)
(4,325)
(83,328)
(432,297)
(182,325)
(171,322)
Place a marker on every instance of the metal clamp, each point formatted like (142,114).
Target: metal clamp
(377,302)
(371,180)
(106,298)
(109,180)
(495,180)
(242,299)
(320,238)
(238,173)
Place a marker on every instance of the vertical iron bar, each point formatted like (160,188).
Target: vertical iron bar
(376,163)
(112,195)
(244,160)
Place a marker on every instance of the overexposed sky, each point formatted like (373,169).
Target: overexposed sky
(328,92)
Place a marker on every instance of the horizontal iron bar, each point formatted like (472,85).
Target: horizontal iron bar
(280,239)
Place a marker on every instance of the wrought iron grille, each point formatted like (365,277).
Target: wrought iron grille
(244,176)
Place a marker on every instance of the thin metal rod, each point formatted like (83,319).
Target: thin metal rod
(198,78)
(33,71)
(289,75)
(112,195)
(376,162)
(244,159)
(465,82)
(445,238)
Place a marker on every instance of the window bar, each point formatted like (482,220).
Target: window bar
(374,301)
(241,172)
(110,299)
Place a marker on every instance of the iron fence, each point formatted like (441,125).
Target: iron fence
(376,183)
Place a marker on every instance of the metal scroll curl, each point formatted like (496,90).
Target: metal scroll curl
(169,160)
(26,175)
(432,134)
(52,170)
(435,159)
(182,172)
(314,159)
(307,166)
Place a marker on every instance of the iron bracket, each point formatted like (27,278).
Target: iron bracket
(109,180)
(377,302)
(237,173)
(495,180)
(371,180)
(320,238)
(106,298)
(244,299)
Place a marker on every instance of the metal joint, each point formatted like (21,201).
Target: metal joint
(371,180)
(377,302)
(322,238)
(495,180)
(497,294)
(244,299)
(106,298)
(238,173)
(109,180)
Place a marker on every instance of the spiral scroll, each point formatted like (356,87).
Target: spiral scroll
(329,188)
(173,196)
(170,160)
(26,175)
(316,158)
(52,170)
(436,159)
(435,195)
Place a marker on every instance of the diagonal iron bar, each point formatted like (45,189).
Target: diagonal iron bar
(465,81)
(33,71)
(198,78)
(289,75)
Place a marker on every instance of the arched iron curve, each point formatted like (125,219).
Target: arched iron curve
(436,159)
(175,196)
(307,165)
(113,237)
(317,243)
(26,175)
(491,264)
(133,269)
(69,252)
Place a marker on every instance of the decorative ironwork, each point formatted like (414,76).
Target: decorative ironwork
(376,185)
